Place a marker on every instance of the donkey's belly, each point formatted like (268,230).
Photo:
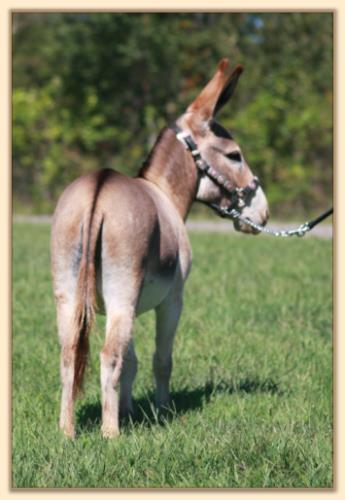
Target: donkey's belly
(154,290)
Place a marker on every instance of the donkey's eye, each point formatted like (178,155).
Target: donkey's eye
(234,156)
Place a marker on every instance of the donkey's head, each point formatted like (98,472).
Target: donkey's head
(228,170)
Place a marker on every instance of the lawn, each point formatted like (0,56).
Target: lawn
(251,386)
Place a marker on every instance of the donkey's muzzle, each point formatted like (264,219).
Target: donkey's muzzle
(240,225)
(245,228)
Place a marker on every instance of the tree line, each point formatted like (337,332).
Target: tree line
(93,90)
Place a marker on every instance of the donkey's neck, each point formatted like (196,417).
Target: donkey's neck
(173,170)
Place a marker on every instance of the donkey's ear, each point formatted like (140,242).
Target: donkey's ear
(228,89)
(204,105)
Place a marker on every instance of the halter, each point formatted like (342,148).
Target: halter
(238,195)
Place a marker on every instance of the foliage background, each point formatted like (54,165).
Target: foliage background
(92,90)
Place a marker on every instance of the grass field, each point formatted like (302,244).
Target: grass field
(252,379)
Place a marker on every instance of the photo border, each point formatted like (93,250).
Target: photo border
(6,9)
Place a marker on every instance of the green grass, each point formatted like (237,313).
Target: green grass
(252,379)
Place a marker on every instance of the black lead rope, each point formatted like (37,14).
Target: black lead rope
(319,219)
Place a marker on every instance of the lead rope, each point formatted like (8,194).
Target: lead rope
(299,231)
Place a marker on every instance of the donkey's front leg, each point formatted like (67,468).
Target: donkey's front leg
(118,332)
(167,318)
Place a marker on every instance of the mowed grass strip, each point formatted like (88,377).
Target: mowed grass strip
(251,385)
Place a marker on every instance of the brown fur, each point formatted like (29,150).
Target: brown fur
(172,169)
(205,103)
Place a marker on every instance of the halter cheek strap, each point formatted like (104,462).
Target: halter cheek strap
(238,195)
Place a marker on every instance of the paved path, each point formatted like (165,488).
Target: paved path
(222,226)
(210,226)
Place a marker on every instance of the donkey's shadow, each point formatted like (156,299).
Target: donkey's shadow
(182,401)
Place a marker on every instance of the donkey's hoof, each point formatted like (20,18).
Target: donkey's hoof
(110,432)
(68,432)
(162,405)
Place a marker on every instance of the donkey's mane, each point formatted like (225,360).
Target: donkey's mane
(159,150)
(172,170)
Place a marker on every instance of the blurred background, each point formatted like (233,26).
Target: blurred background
(93,90)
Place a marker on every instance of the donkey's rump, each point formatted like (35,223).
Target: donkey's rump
(124,230)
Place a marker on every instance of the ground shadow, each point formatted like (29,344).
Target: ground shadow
(182,401)
(88,416)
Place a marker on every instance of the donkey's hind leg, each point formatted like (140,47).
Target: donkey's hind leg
(68,342)
(167,318)
(118,333)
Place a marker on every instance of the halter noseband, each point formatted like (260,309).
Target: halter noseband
(238,195)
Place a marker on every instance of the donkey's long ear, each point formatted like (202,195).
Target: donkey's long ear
(228,89)
(206,102)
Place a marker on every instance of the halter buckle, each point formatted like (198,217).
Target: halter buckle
(240,202)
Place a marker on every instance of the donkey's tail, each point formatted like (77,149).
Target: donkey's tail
(86,298)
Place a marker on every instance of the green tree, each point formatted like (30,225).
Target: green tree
(93,90)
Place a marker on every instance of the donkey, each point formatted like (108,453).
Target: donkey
(119,246)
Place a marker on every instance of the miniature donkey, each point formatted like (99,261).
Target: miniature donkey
(119,245)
